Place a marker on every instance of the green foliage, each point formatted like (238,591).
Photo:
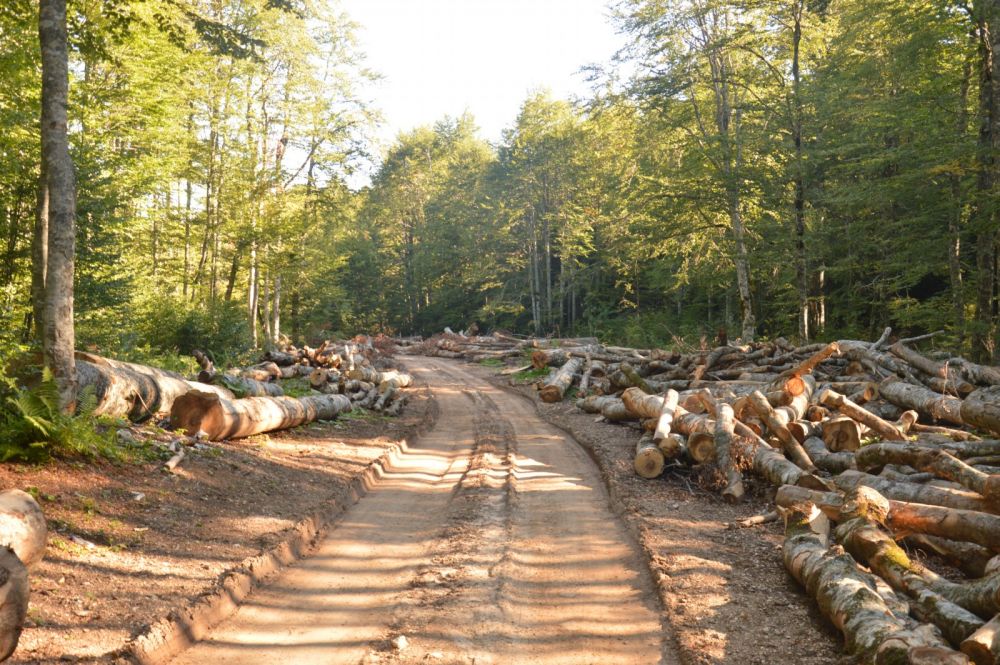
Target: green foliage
(33,428)
(172,325)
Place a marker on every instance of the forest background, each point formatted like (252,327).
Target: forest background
(812,169)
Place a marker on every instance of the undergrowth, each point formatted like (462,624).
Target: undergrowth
(34,429)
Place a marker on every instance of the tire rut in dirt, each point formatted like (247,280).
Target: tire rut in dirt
(454,609)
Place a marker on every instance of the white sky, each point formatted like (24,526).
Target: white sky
(442,57)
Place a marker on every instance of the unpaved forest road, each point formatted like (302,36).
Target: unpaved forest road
(490,541)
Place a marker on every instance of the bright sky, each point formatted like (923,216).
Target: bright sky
(442,57)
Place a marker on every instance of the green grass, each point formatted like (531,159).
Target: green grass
(491,362)
(532,374)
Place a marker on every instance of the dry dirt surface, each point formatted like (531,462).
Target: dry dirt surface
(129,543)
(727,595)
(490,540)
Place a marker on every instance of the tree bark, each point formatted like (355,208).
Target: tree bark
(221,418)
(22,526)
(40,253)
(982,409)
(58,342)
(649,459)
(913,492)
(560,381)
(933,460)
(924,400)
(132,391)
(14,592)
(848,597)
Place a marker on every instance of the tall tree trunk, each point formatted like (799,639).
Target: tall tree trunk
(801,265)
(187,233)
(276,311)
(984,218)
(955,219)
(40,252)
(252,294)
(58,320)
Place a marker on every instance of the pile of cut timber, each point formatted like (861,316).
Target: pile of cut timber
(886,443)
(340,374)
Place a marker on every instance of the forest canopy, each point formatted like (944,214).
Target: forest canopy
(811,169)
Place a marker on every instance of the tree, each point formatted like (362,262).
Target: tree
(60,181)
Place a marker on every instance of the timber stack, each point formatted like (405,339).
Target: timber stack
(863,445)
(332,378)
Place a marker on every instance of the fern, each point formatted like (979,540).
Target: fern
(35,428)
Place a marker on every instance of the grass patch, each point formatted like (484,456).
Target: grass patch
(532,374)
(491,362)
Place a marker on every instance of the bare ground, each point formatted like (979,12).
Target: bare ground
(129,543)
(489,541)
(726,593)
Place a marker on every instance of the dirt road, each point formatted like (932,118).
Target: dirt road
(490,540)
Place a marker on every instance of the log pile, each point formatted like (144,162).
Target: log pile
(865,443)
(337,375)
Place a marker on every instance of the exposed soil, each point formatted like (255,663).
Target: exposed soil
(489,541)
(727,595)
(128,543)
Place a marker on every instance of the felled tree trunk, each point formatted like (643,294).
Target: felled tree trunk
(724,435)
(969,558)
(649,460)
(933,460)
(983,646)
(666,416)
(14,592)
(826,460)
(924,400)
(848,597)
(950,376)
(22,526)
(242,386)
(885,429)
(982,409)
(904,517)
(222,418)
(560,381)
(136,392)
(792,448)
(914,492)
(878,550)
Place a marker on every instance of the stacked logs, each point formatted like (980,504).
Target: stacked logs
(339,375)
(866,444)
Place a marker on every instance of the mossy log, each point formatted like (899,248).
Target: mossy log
(849,598)
(221,418)
(242,386)
(560,380)
(904,517)
(932,460)
(924,400)
(870,545)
